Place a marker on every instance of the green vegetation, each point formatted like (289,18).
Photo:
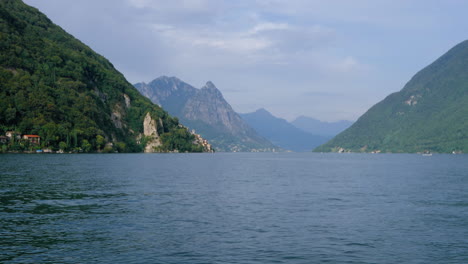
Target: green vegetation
(181,141)
(429,114)
(54,86)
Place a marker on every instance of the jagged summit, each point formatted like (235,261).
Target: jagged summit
(209,85)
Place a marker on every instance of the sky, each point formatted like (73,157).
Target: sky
(331,60)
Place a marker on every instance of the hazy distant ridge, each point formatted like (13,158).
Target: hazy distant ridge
(282,133)
(318,127)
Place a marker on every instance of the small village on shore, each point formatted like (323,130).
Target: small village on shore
(16,142)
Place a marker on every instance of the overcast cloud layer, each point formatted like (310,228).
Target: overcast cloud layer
(329,59)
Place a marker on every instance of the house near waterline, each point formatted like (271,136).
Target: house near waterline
(33,139)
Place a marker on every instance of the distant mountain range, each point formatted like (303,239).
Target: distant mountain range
(207,112)
(317,127)
(430,114)
(282,133)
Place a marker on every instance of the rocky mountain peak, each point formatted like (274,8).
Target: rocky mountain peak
(171,82)
(210,85)
(211,90)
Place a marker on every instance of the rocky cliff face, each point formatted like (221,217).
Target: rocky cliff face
(150,131)
(207,112)
(208,105)
(202,142)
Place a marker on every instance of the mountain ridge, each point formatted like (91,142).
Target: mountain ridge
(282,133)
(206,111)
(322,128)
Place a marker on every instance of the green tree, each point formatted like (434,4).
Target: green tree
(10,114)
(121,147)
(108,149)
(86,146)
(100,141)
(63,146)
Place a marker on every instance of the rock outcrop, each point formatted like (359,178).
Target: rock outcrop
(202,142)
(150,131)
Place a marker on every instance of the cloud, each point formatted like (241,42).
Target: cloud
(346,65)
(261,43)
(295,38)
(140,3)
(191,5)
(186,13)
(268,26)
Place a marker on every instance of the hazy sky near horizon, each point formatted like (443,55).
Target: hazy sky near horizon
(330,60)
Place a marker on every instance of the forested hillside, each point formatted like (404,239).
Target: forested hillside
(54,86)
(430,114)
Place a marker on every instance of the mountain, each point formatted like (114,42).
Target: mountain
(55,87)
(206,111)
(317,127)
(282,133)
(429,114)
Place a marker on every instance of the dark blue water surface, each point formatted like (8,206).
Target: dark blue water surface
(234,208)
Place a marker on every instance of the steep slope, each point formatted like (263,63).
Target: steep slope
(281,133)
(54,86)
(429,114)
(317,127)
(206,111)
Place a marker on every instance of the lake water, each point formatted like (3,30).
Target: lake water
(234,208)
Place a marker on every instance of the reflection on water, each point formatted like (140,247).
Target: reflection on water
(233,208)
